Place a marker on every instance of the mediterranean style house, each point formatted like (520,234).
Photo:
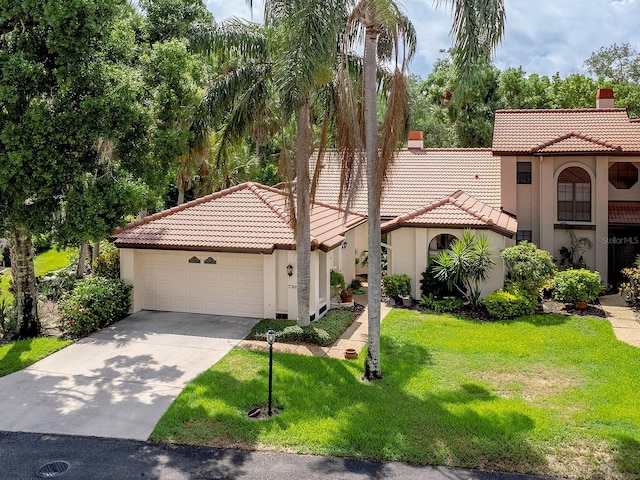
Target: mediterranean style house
(549,175)
(573,171)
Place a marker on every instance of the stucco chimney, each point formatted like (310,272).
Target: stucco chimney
(604,98)
(414,140)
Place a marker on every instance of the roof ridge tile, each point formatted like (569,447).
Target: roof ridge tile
(573,133)
(256,189)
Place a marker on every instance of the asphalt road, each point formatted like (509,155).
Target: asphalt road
(23,454)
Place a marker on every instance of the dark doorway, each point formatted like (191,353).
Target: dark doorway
(624,247)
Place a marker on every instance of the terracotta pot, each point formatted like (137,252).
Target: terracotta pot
(350,353)
(581,305)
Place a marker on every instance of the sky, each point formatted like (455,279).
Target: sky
(541,36)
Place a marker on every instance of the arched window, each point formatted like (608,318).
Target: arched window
(574,195)
(441,242)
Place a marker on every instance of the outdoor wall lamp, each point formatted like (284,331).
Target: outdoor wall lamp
(271,338)
(290,270)
(344,245)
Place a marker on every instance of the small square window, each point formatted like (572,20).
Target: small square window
(524,173)
(522,235)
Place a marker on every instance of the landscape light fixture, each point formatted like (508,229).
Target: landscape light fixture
(271,338)
(290,270)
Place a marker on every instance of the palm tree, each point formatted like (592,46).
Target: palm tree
(387,35)
(289,60)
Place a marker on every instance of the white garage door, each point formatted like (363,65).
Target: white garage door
(201,282)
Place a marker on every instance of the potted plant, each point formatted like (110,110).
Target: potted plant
(407,301)
(397,287)
(346,295)
(577,286)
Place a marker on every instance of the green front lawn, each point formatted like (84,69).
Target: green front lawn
(45,262)
(547,395)
(51,260)
(15,356)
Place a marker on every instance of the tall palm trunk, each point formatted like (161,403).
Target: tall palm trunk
(372,369)
(303,222)
(24,282)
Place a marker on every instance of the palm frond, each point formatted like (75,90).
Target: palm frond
(234,37)
(477,28)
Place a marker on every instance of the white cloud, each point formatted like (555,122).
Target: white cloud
(543,36)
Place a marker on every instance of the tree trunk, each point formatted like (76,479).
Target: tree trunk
(303,222)
(95,253)
(24,288)
(82,258)
(372,370)
(180,193)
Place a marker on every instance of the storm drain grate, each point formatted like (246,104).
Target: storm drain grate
(52,469)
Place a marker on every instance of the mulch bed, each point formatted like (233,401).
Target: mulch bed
(548,306)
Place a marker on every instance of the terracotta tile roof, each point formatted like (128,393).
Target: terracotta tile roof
(565,131)
(248,218)
(420,177)
(624,213)
(457,210)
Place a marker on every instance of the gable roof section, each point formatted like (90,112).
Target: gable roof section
(419,177)
(458,210)
(247,218)
(565,131)
(575,142)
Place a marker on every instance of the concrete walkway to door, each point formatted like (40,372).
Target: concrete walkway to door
(117,382)
(623,320)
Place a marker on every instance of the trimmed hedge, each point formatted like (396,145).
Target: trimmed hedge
(93,303)
(504,305)
(323,332)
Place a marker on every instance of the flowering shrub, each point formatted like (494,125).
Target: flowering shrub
(94,303)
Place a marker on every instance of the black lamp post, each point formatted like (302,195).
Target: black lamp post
(271,337)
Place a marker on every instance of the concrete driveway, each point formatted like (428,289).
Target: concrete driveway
(117,382)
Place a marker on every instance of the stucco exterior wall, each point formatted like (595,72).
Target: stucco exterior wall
(536,204)
(410,248)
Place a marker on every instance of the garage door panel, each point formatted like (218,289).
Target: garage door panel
(231,286)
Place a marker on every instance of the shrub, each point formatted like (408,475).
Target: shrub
(94,303)
(504,305)
(8,320)
(529,267)
(323,332)
(576,286)
(466,264)
(55,284)
(630,290)
(441,305)
(336,279)
(41,243)
(107,265)
(396,286)
(430,284)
